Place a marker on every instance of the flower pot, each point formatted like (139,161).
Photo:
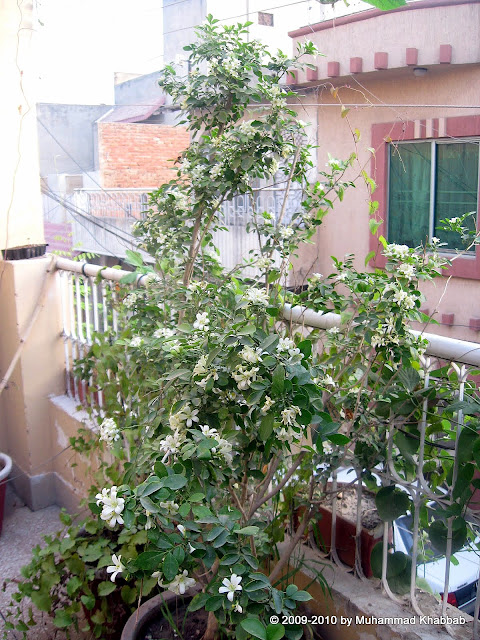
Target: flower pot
(346,532)
(5,468)
(138,623)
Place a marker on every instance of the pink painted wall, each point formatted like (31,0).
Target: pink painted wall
(345,230)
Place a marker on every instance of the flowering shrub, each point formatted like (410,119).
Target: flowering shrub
(212,405)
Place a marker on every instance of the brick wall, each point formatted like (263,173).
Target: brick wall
(138,155)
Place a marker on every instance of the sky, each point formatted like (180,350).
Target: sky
(80,44)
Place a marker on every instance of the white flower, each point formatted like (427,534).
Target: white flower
(263,263)
(250,355)
(289,415)
(403,299)
(201,367)
(328,381)
(172,443)
(109,431)
(180,583)
(273,168)
(164,333)
(202,322)
(333,330)
(176,421)
(257,296)
(113,506)
(208,432)
(238,608)
(287,345)
(137,341)
(189,415)
(407,271)
(244,377)
(230,585)
(316,277)
(267,405)
(399,251)
(286,232)
(170,507)
(327,448)
(287,434)
(100,496)
(225,449)
(116,568)
(341,277)
(130,300)
(149,523)
(181,528)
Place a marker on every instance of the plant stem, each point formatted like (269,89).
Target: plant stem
(261,500)
(285,557)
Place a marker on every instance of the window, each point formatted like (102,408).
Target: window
(430,181)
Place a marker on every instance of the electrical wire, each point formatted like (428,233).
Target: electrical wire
(75,212)
(73,208)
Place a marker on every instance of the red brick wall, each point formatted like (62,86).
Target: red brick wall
(138,155)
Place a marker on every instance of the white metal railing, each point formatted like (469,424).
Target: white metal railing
(88,306)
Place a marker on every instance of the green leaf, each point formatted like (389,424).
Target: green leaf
(149,560)
(437,533)
(248,531)
(466,445)
(278,380)
(175,481)
(88,601)
(266,427)
(134,258)
(391,503)
(170,567)
(301,596)
(255,628)
(106,588)
(338,438)
(275,631)
(41,600)
(464,479)
(214,603)
(306,348)
(62,619)
(386,5)
(214,533)
(73,585)
(369,255)
(198,601)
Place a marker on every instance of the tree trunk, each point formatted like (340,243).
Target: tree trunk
(212,627)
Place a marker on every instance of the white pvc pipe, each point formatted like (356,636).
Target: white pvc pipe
(438,346)
(7,466)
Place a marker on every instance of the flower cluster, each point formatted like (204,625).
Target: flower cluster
(112,506)
(109,431)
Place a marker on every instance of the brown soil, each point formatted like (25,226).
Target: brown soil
(347,507)
(191,626)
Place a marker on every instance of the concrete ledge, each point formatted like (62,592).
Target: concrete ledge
(44,490)
(354,602)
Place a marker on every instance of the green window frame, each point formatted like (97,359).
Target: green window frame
(431,180)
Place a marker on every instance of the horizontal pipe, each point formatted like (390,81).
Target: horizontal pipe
(438,346)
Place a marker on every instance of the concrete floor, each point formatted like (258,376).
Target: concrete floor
(22,530)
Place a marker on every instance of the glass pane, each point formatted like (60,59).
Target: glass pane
(456,187)
(409,193)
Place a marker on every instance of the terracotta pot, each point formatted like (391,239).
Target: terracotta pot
(5,468)
(148,611)
(345,539)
